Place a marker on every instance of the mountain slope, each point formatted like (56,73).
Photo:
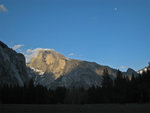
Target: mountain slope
(53,70)
(12,67)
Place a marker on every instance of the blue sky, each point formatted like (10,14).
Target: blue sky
(109,32)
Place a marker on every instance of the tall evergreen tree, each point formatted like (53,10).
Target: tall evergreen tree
(107,81)
(107,87)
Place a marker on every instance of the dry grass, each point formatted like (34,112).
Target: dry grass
(88,108)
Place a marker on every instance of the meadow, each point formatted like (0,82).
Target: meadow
(64,108)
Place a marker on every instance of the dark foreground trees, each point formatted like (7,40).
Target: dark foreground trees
(120,90)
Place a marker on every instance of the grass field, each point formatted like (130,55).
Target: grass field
(88,108)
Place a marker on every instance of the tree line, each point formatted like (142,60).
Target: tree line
(120,90)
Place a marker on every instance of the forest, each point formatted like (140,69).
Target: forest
(120,90)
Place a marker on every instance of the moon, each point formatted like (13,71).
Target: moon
(116,9)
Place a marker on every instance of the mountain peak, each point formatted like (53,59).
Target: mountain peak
(47,52)
(48,61)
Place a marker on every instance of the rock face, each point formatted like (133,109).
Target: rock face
(52,69)
(49,61)
(13,69)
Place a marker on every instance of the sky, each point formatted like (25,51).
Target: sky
(110,32)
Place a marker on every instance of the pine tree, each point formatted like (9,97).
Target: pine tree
(107,81)
(107,87)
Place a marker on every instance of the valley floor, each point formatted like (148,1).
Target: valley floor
(88,108)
